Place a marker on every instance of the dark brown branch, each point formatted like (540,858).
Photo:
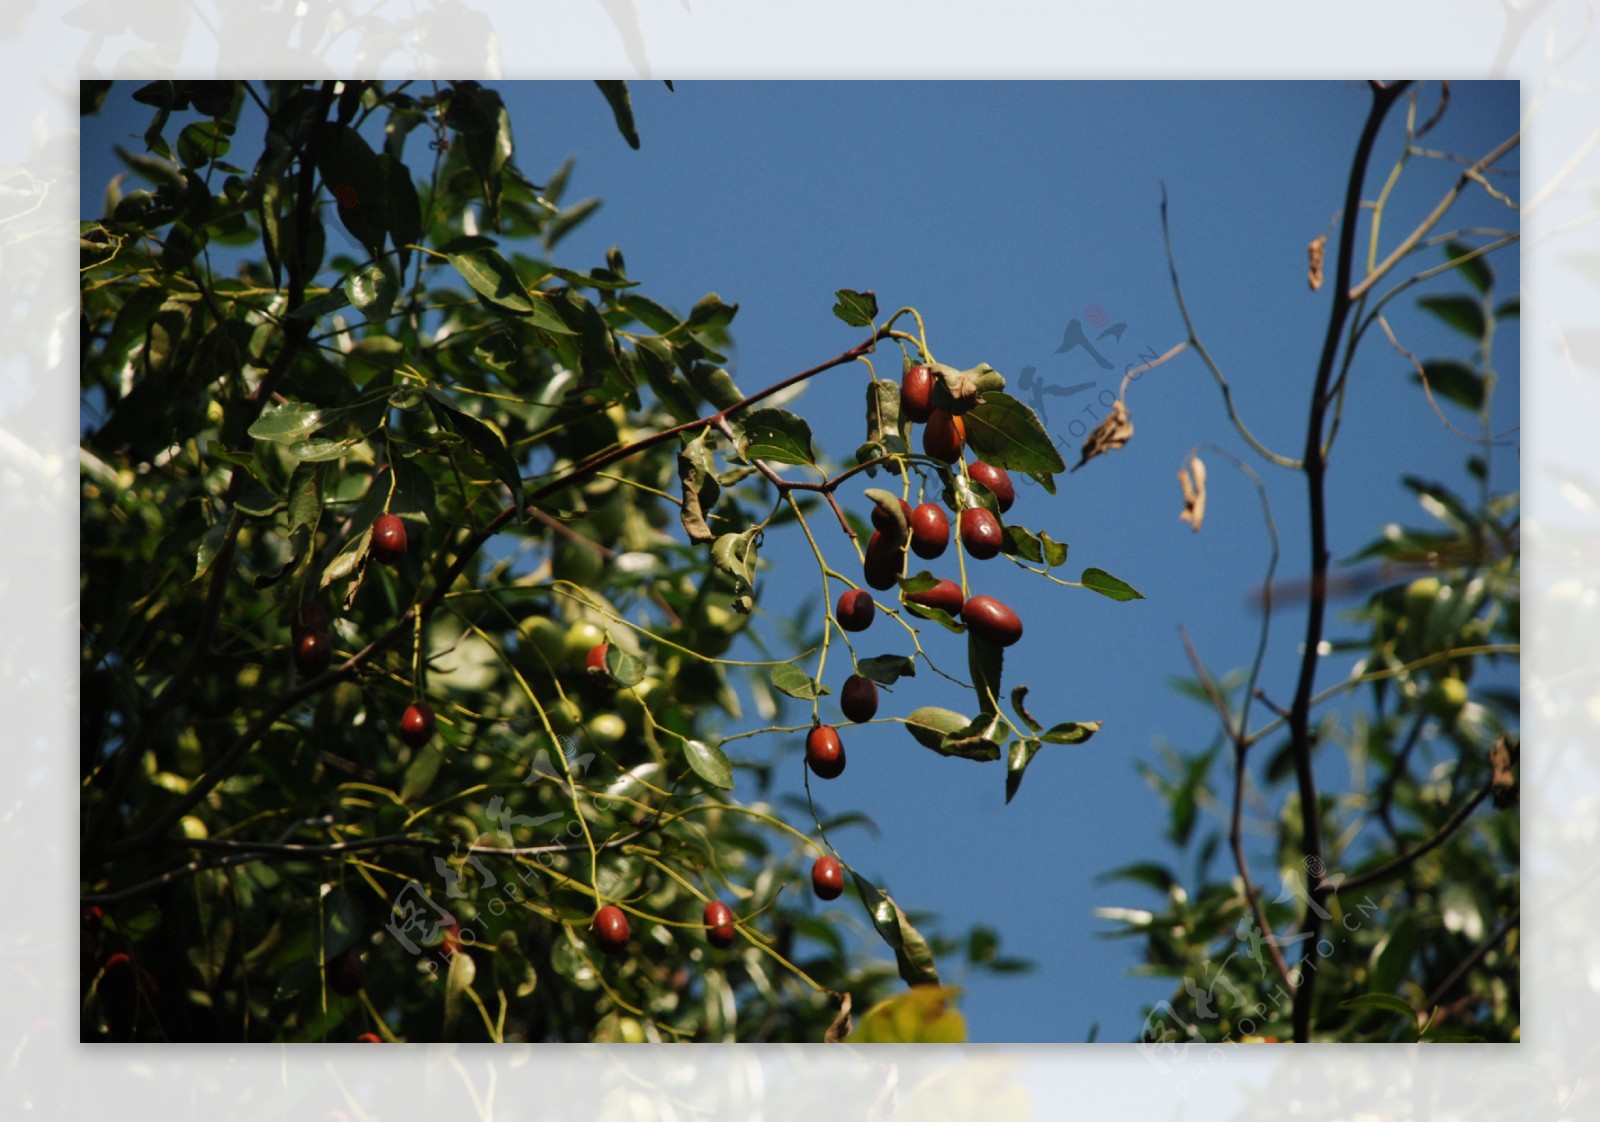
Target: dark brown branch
(235,853)
(1395,865)
(1314,465)
(1477,957)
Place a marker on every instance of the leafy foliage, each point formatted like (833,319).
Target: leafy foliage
(329,304)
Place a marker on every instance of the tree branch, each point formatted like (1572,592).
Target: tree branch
(1314,465)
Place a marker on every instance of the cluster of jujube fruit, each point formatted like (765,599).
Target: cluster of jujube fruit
(924,530)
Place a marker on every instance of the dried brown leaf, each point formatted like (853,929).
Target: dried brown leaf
(1502,778)
(1314,251)
(1110,434)
(1193,479)
(840,1028)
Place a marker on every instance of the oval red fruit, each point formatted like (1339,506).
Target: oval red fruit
(855,610)
(858,698)
(916,394)
(719,924)
(824,751)
(417,724)
(884,561)
(946,596)
(389,539)
(997,480)
(944,436)
(369,1038)
(992,620)
(930,530)
(347,974)
(981,533)
(313,651)
(611,929)
(827,877)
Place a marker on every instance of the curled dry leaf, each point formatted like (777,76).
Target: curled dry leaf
(1502,779)
(1193,479)
(840,1028)
(1110,434)
(1314,269)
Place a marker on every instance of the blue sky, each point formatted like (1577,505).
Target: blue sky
(1003,211)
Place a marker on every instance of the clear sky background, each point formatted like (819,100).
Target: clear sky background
(1003,211)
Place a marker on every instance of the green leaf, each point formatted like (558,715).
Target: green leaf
(1153,874)
(358,182)
(492,277)
(1070,732)
(372,290)
(709,764)
(715,385)
(1108,586)
(405,209)
(1391,957)
(911,951)
(885,669)
(621,103)
(1476,271)
(791,680)
(710,314)
(512,971)
(1461,312)
(1007,434)
(775,435)
(1391,1002)
(291,421)
(985,662)
(1019,695)
(931,724)
(479,117)
(735,554)
(625,668)
(483,440)
(305,497)
(1017,761)
(1020,542)
(324,448)
(858,309)
(330,301)
(1509,309)
(1453,381)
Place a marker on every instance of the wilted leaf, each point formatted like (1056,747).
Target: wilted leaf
(922,1015)
(1193,481)
(1314,252)
(697,476)
(1111,433)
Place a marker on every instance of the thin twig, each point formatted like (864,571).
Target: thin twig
(1395,865)
(1477,957)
